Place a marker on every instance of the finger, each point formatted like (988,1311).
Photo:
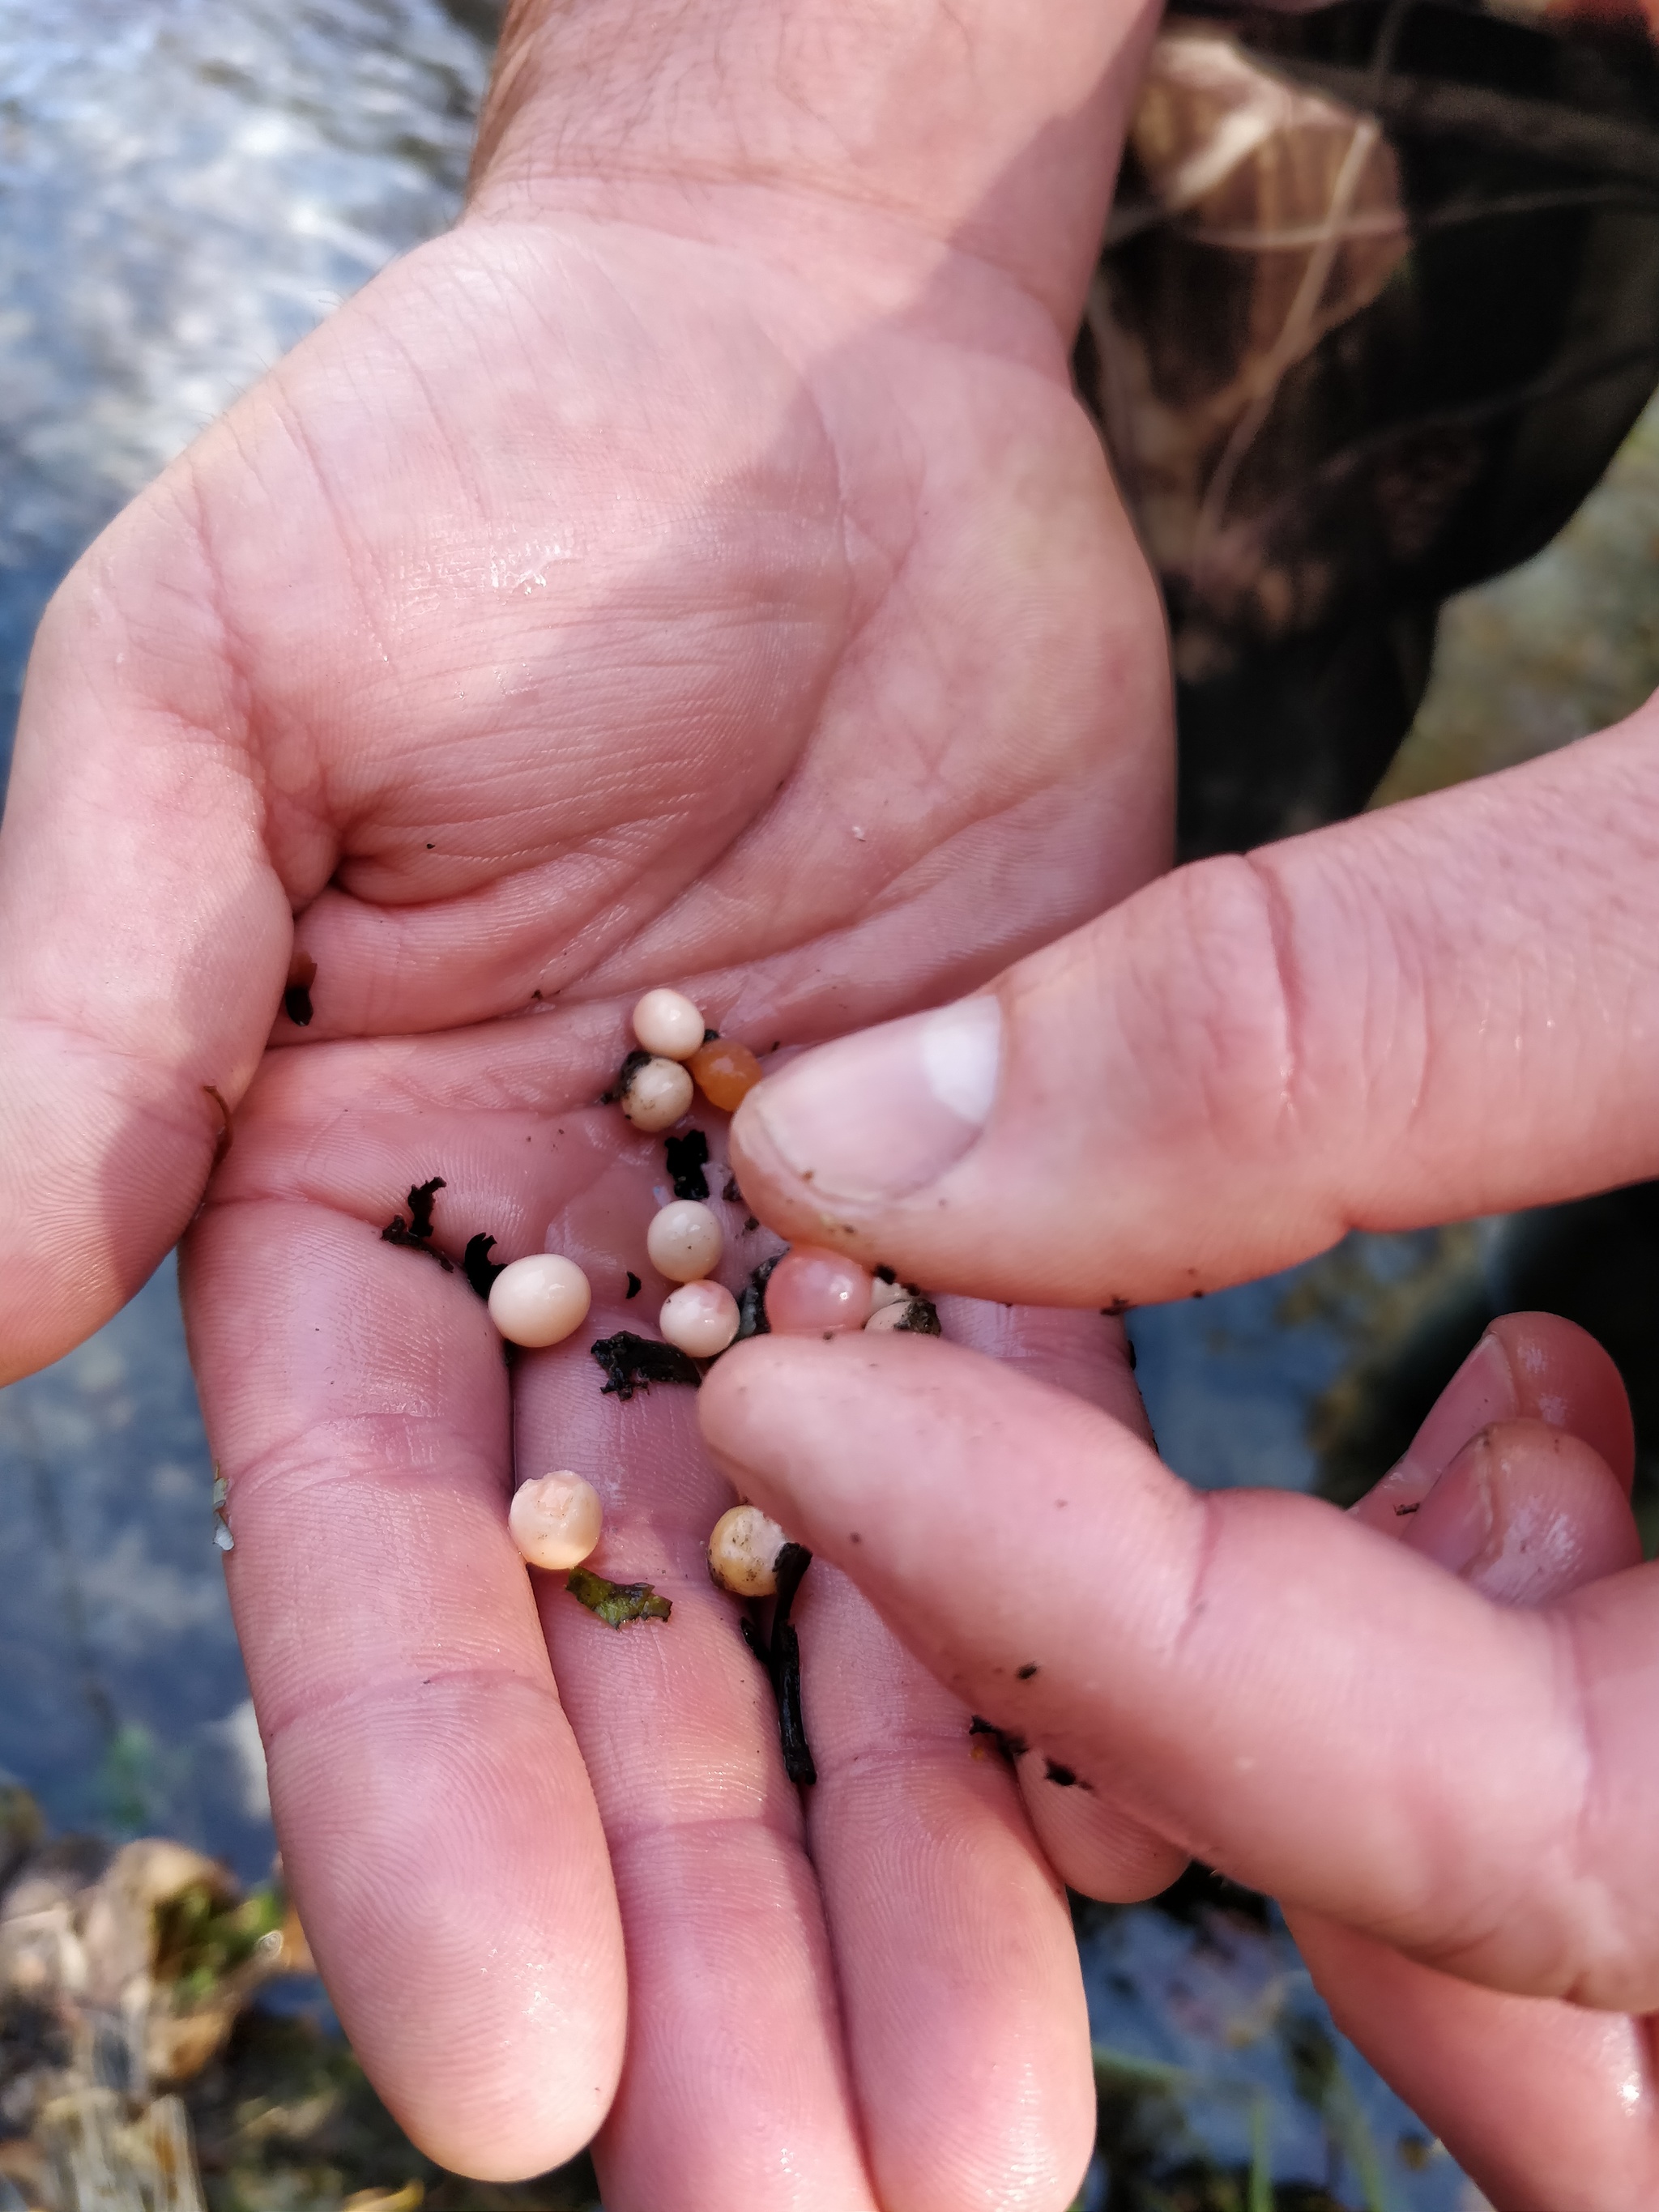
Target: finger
(1528,1366)
(735,2087)
(1095,1845)
(435,1819)
(1092,1840)
(1252,1673)
(1445,1008)
(1526,1513)
(866,1992)
(1549,2107)
(968,2034)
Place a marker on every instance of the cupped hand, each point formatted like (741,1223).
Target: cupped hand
(1425,1726)
(694,569)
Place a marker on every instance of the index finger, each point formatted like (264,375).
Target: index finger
(1320,1712)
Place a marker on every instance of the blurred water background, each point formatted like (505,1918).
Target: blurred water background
(185,187)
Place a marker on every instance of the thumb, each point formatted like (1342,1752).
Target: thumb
(1446,1008)
(143,934)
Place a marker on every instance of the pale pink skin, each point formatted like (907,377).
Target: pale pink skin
(813,1292)
(540,630)
(1424,1726)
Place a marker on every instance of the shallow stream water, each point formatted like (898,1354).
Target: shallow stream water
(185,187)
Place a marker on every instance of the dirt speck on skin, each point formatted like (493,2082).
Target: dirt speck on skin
(1024,1674)
(1010,1746)
(1062,1777)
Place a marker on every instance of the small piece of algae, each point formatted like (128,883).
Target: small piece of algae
(617,1602)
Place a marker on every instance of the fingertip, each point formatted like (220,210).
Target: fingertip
(462,1916)
(1525,1513)
(1096,1845)
(1565,1377)
(1525,1366)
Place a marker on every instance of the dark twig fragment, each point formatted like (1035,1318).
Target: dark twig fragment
(752,1306)
(618,1603)
(415,1233)
(420,1205)
(688,1156)
(296,998)
(634,1362)
(476,1265)
(781,1657)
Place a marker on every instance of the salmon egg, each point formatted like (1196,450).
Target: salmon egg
(656,1095)
(554,1520)
(667,1023)
(743,1551)
(815,1292)
(684,1241)
(539,1300)
(700,1318)
(725,1073)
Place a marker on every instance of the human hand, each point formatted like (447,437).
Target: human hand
(1423,1726)
(1429,1012)
(694,567)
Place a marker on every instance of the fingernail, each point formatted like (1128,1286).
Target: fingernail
(1481,1392)
(884,1112)
(1455,1523)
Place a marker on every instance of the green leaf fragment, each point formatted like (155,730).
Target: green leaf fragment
(617,1602)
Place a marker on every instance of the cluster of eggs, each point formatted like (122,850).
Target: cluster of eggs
(540,1300)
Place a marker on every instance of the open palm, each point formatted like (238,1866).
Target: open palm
(584,608)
